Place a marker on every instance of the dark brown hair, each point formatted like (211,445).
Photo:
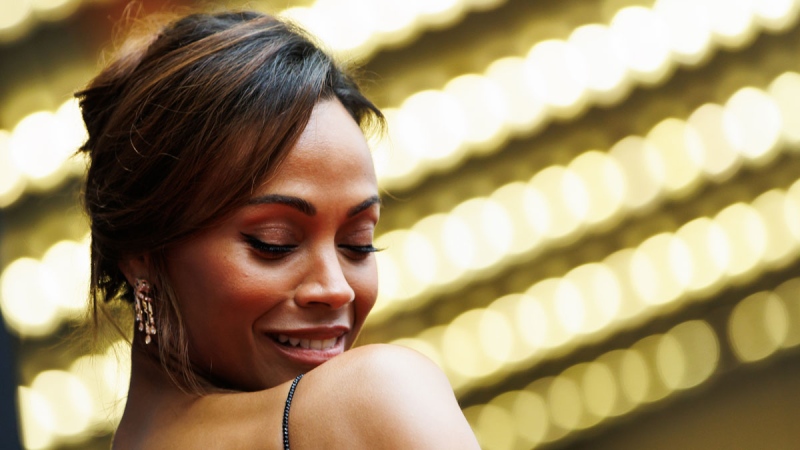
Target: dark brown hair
(182,128)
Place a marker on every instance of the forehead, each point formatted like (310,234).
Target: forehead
(331,152)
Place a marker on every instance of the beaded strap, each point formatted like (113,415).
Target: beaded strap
(286,412)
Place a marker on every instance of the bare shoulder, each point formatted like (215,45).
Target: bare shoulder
(379,396)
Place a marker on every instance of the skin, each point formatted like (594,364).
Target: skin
(297,262)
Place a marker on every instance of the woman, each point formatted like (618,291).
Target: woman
(233,201)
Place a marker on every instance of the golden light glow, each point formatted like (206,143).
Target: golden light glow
(37,295)
(16,17)
(357,28)
(433,130)
(589,393)
(758,326)
(664,272)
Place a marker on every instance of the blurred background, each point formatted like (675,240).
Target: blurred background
(592,214)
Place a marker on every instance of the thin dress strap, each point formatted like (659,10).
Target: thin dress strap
(286,412)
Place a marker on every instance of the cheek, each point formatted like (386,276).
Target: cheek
(365,285)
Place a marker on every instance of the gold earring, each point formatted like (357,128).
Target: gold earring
(144,309)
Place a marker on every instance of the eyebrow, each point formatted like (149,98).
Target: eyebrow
(307,208)
(363,205)
(293,202)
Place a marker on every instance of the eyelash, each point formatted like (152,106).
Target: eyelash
(278,250)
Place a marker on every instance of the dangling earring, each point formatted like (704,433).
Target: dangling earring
(144,309)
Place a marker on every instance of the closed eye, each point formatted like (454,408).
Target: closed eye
(360,248)
(359,252)
(273,250)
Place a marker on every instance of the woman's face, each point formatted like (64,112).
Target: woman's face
(286,283)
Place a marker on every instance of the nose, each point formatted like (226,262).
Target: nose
(325,283)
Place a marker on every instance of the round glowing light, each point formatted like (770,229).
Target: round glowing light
(613,361)
(643,168)
(599,390)
(69,399)
(544,292)
(420,259)
(458,242)
(789,294)
(689,27)
(27,302)
(575,194)
(565,75)
(569,307)
(507,307)
(758,326)
(792,210)
(620,264)
(643,41)
(651,270)
(484,107)
(688,354)
(497,230)
(73,128)
(42,155)
(681,263)
(732,21)
(401,283)
(577,374)
(43,5)
(356,19)
(785,90)
(492,228)
(523,92)
(648,348)
(720,159)
(604,200)
(89,369)
(752,122)
(530,416)
(709,252)
(776,14)
(509,198)
(609,78)
(564,401)
(396,157)
(747,236)
(389,279)
(394,17)
(116,372)
(36,418)
(494,427)
(12,181)
(550,182)
(677,146)
(437,7)
(537,210)
(671,361)
(441,121)
(595,291)
(532,322)
(69,262)
(12,14)
(634,376)
(434,227)
(781,246)
(494,331)
(459,343)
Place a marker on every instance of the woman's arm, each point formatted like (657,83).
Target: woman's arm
(378,397)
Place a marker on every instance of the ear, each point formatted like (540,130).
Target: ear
(134,267)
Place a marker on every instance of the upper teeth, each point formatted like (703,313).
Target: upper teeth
(307,343)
